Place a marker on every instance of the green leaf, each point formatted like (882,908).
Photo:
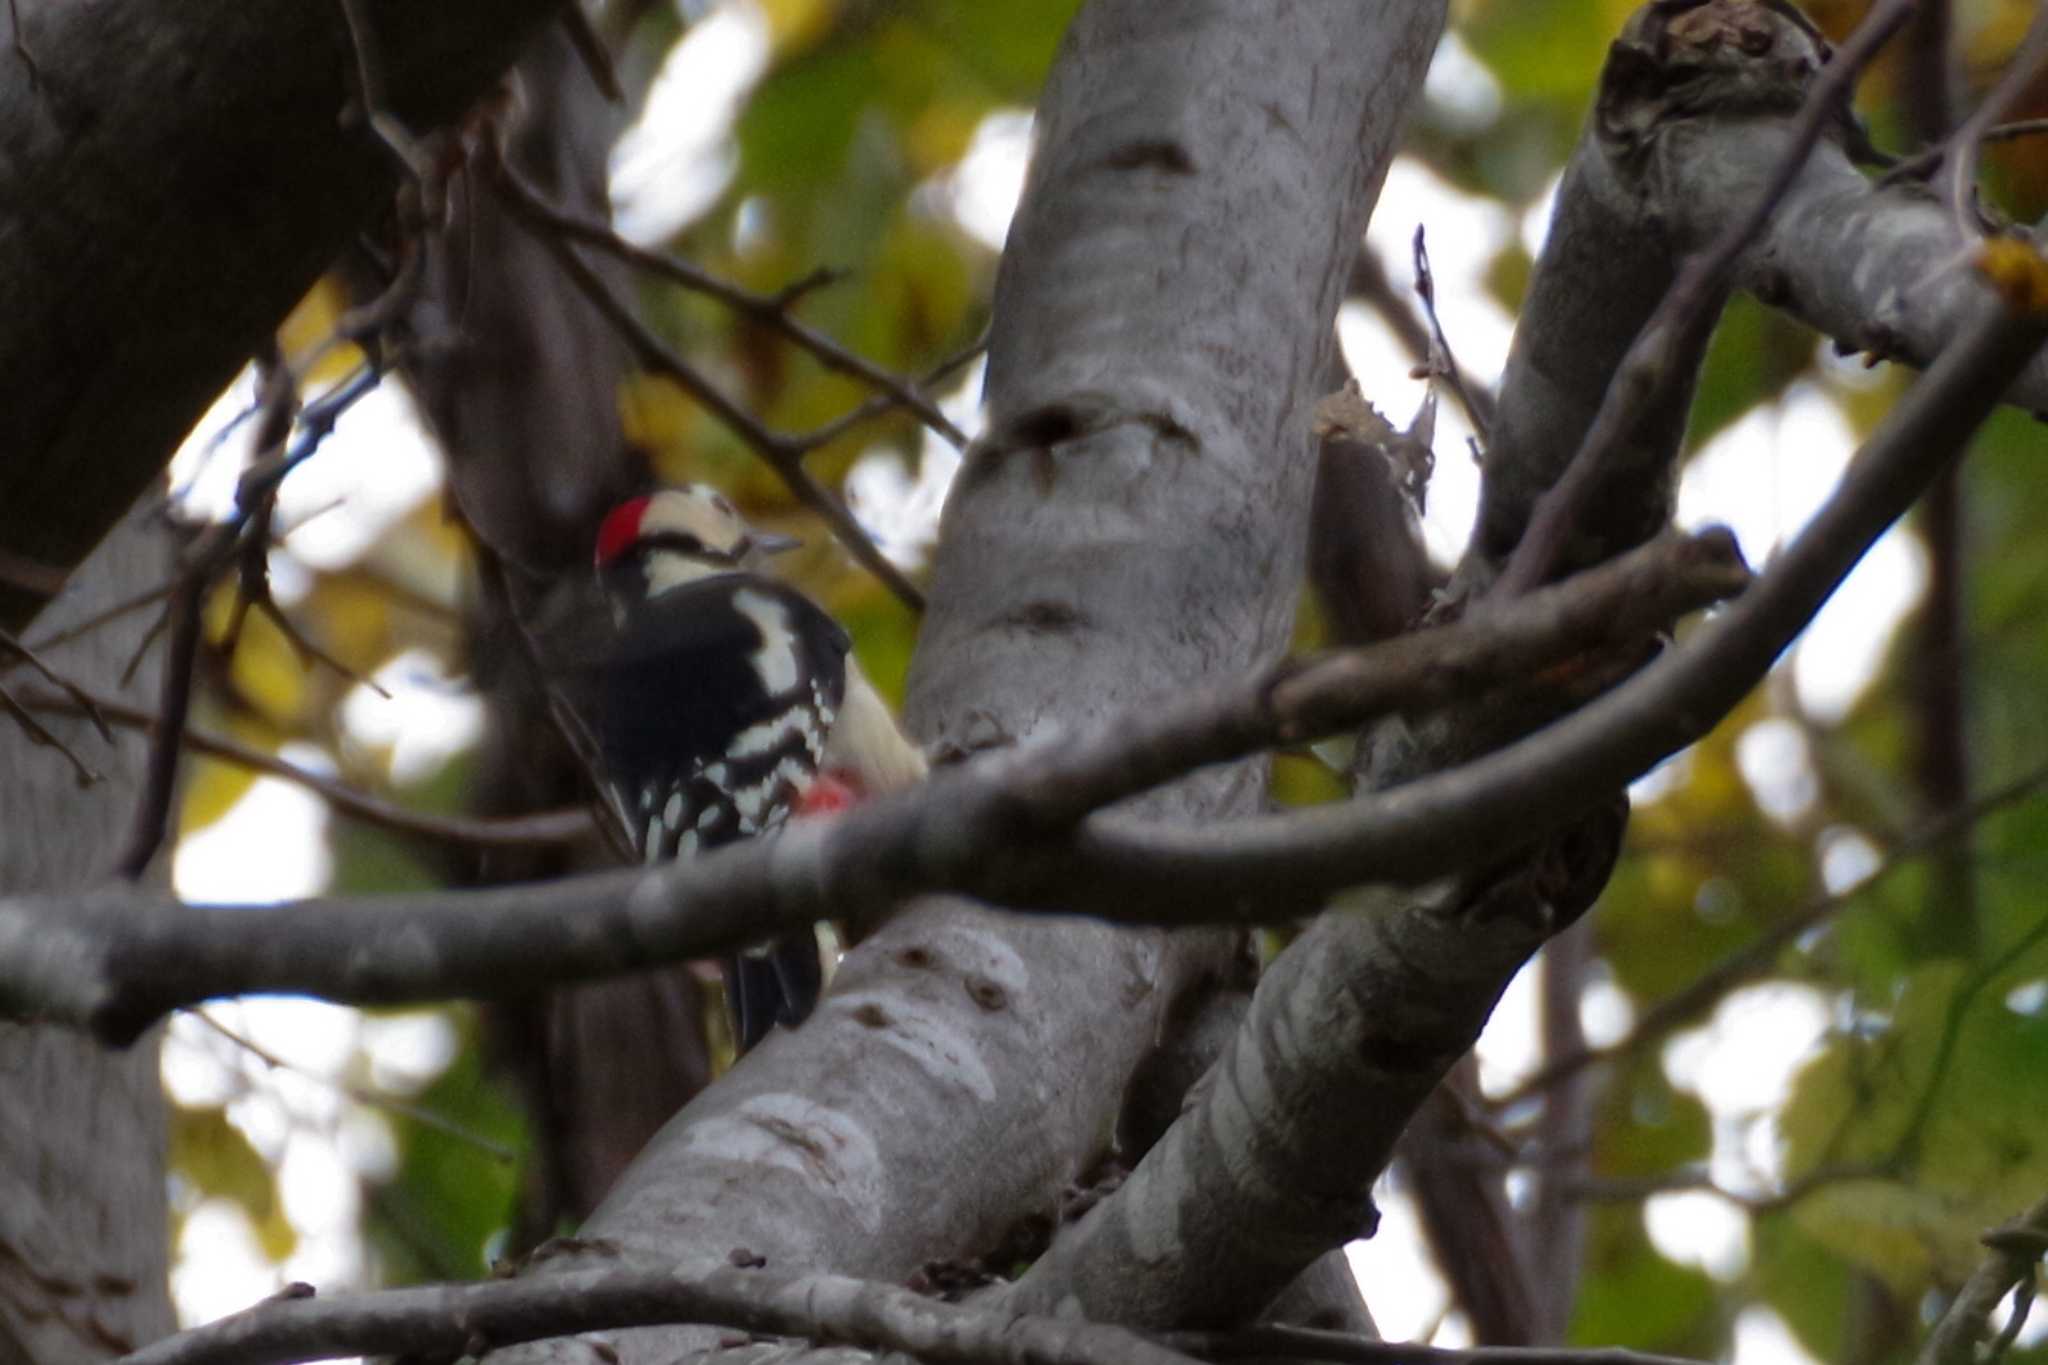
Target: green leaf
(1755,353)
(1804,1281)
(1631,1296)
(1935,1099)
(451,1199)
(1645,1127)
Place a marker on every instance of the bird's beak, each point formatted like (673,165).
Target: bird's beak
(774,543)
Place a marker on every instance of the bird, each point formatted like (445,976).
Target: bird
(723,703)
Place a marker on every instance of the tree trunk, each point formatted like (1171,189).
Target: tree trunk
(83,1243)
(1133,525)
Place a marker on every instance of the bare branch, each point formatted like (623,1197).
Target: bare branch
(40,734)
(783,455)
(244,533)
(1652,367)
(10,645)
(2016,1249)
(996,826)
(1535,784)
(1610,1190)
(520,831)
(592,52)
(92,203)
(474,1318)
(94,963)
(1925,164)
(1967,141)
(1675,1011)
(151,820)
(371,1099)
(770,310)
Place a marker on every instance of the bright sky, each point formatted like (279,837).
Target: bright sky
(1764,476)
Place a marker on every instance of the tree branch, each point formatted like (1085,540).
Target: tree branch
(1658,368)
(93,963)
(476,1318)
(771,311)
(98,960)
(2016,1249)
(541,827)
(1535,785)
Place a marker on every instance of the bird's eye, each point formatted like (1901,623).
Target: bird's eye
(675,542)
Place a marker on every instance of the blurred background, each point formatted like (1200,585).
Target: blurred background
(1818,1043)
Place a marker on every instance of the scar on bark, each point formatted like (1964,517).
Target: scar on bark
(1159,154)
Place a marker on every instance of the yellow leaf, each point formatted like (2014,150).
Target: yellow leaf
(267,669)
(2017,271)
(310,326)
(795,25)
(276,1235)
(211,789)
(939,135)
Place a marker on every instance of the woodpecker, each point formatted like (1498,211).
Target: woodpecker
(727,702)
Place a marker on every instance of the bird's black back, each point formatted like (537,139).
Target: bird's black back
(689,676)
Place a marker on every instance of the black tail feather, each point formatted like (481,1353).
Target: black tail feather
(776,985)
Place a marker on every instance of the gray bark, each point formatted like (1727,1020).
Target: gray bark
(1605,266)
(1134,525)
(173,177)
(1885,270)
(83,1244)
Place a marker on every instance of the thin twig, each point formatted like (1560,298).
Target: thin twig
(1611,1190)
(183,613)
(574,731)
(1441,360)
(1273,1340)
(10,645)
(1967,141)
(1910,1140)
(768,310)
(783,455)
(1705,990)
(152,817)
(1648,372)
(147,597)
(365,322)
(819,437)
(369,1099)
(40,734)
(522,831)
(370,90)
(1923,165)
